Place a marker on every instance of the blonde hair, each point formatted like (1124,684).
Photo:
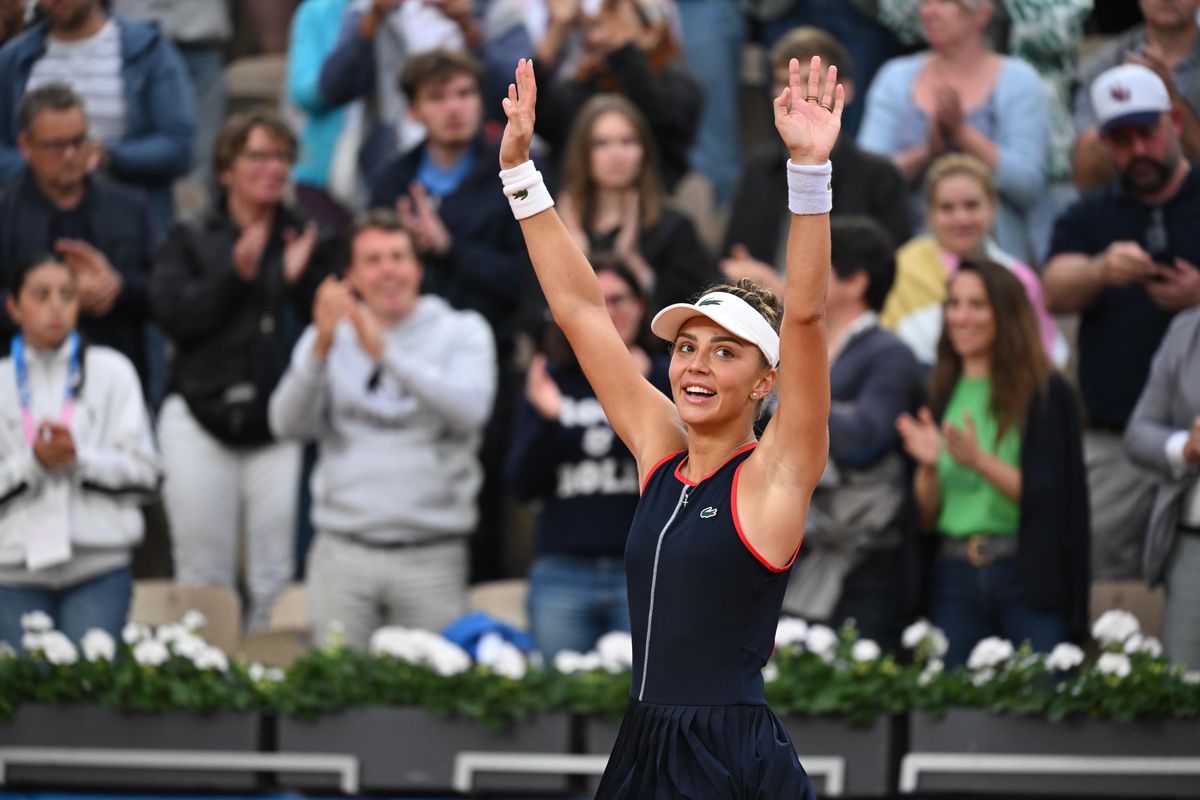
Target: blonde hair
(959,164)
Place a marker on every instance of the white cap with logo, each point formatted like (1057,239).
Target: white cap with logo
(727,310)
(1129,95)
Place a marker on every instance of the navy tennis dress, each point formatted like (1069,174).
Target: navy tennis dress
(703,609)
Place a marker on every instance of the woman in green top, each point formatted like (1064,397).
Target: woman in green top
(996,404)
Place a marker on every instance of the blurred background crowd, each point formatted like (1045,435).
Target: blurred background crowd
(272,323)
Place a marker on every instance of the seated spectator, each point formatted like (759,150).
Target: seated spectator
(201,30)
(133,84)
(855,524)
(1000,477)
(445,190)
(959,96)
(74,465)
(395,387)
(565,453)
(1168,43)
(960,204)
(864,184)
(326,185)
(630,51)
(233,291)
(1164,436)
(612,202)
(1125,260)
(374,44)
(101,230)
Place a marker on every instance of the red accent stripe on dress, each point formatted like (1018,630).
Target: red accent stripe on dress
(654,469)
(681,479)
(737,523)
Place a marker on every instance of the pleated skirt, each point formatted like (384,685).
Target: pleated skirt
(669,752)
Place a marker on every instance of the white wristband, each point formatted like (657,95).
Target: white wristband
(525,190)
(810,188)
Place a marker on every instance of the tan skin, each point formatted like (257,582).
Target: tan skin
(1191,450)
(46,310)
(1073,281)
(971,325)
(777,480)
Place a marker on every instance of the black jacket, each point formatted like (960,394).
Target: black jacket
(863,183)
(117,222)
(486,269)
(229,333)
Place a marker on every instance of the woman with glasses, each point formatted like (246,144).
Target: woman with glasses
(233,290)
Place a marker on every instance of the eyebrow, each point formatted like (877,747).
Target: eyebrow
(733,339)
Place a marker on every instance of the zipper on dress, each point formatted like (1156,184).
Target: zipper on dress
(681,502)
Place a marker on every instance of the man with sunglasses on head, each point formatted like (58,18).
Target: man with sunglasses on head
(103,231)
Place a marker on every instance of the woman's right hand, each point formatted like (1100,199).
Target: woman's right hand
(519,108)
(921,437)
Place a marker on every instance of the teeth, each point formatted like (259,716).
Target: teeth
(699,391)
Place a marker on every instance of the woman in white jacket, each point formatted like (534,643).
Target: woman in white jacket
(76,459)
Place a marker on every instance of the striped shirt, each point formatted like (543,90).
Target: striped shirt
(92,67)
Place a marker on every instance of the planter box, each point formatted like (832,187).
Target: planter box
(870,754)
(973,732)
(402,749)
(94,727)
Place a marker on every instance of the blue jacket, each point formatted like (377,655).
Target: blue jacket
(157,147)
(314,35)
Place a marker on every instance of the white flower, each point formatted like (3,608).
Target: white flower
(616,651)
(931,671)
(257,672)
(1114,664)
(509,662)
(990,652)
(1143,644)
(32,642)
(1191,678)
(58,648)
(569,662)
(194,620)
(421,648)
(1064,657)
(211,658)
(274,674)
(865,650)
(188,646)
(790,631)
(172,633)
(150,653)
(821,641)
(36,622)
(770,672)
(915,634)
(135,632)
(983,676)
(98,645)
(1115,626)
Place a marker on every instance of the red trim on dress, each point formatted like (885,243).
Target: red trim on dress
(681,479)
(654,469)
(737,523)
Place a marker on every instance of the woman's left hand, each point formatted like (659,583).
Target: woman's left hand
(962,443)
(297,250)
(807,122)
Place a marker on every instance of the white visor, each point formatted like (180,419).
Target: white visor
(727,310)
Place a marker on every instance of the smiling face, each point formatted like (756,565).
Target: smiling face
(970,319)
(713,374)
(260,171)
(961,214)
(385,273)
(616,153)
(47,306)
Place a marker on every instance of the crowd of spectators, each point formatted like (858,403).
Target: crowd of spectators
(356,285)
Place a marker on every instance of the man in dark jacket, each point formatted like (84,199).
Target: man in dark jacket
(103,231)
(134,86)
(863,183)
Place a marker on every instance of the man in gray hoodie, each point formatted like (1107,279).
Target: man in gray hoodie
(395,388)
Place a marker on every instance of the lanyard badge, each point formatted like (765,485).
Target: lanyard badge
(23,394)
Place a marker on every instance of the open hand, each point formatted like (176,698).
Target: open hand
(332,304)
(419,215)
(541,391)
(99,283)
(807,123)
(519,108)
(297,250)
(921,437)
(248,250)
(370,333)
(962,443)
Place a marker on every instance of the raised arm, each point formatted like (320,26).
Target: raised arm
(646,421)
(777,481)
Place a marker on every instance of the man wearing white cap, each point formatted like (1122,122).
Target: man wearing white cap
(1169,44)
(1124,259)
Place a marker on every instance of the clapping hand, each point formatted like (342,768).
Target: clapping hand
(541,391)
(248,250)
(297,250)
(99,283)
(519,108)
(808,123)
(333,303)
(922,440)
(419,215)
(948,115)
(370,332)
(962,443)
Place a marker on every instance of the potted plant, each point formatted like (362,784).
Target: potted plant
(411,705)
(156,689)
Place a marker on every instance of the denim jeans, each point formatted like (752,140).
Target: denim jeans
(869,44)
(972,603)
(713,33)
(102,602)
(574,601)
